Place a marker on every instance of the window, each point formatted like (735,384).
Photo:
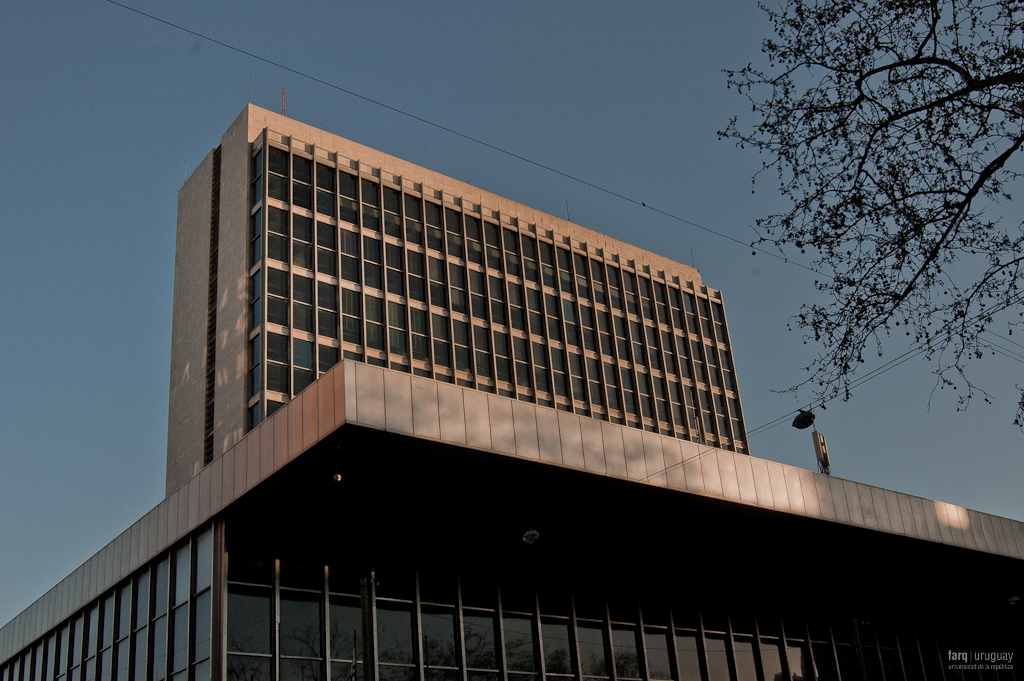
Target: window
(492,241)
(453,225)
(530,271)
(577,377)
(522,358)
(420,334)
(256,196)
(348,201)
(302,357)
(463,360)
(554,325)
(371,206)
(442,355)
(277,363)
(327,309)
(646,300)
(324,190)
(434,233)
(255,296)
(502,357)
(374,322)
(302,178)
(413,221)
(540,364)
(302,308)
(277,237)
(255,238)
(277,180)
(392,210)
(255,356)
(629,287)
(589,333)
(478,294)
(498,301)
(615,288)
(564,271)
(395,269)
(572,332)
(594,372)
(302,248)
(417,276)
(396,329)
(349,256)
(457,282)
(351,312)
(511,252)
(582,287)
(437,282)
(536,311)
(326,249)
(372,260)
(482,345)
(328,356)
(474,239)
(517,316)
(277,297)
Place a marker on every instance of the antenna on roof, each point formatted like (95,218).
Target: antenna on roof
(568,219)
(250,89)
(282,101)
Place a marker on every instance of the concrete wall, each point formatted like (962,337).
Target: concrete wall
(229,411)
(186,405)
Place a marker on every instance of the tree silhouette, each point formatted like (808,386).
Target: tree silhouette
(895,128)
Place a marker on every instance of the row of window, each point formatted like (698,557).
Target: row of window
(154,627)
(493,309)
(444,630)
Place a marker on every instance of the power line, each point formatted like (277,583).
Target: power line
(470,138)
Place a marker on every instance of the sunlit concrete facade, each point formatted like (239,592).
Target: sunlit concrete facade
(366,518)
(297,248)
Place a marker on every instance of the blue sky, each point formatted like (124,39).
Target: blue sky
(103,111)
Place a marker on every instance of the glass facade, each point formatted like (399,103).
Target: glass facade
(438,627)
(383,274)
(154,626)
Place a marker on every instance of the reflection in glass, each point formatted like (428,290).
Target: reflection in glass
(201,634)
(479,637)
(300,624)
(394,634)
(439,636)
(556,647)
(624,647)
(246,668)
(299,670)
(591,639)
(520,647)
(248,619)
(346,629)
(160,649)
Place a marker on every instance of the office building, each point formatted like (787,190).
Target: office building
(297,248)
(419,432)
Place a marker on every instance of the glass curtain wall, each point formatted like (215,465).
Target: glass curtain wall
(154,626)
(286,623)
